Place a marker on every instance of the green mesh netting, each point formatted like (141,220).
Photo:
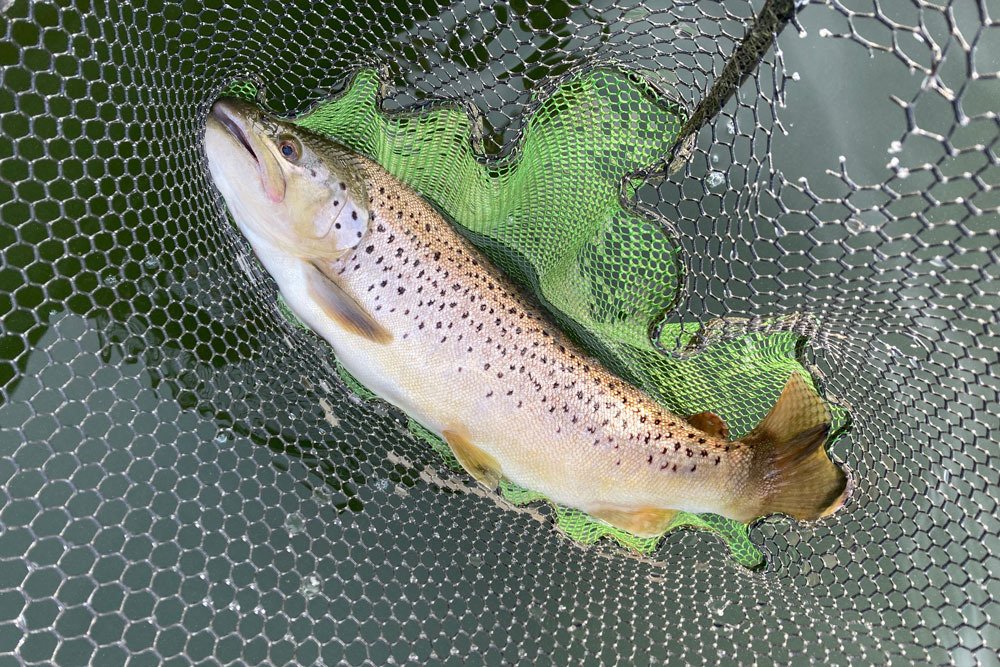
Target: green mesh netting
(559,215)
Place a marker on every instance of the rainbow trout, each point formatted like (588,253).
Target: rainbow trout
(418,315)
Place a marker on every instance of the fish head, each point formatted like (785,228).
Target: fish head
(286,186)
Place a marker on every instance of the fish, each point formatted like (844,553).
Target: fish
(417,314)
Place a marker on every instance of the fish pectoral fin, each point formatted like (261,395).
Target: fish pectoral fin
(476,462)
(643,522)
(710,423)
(339,306)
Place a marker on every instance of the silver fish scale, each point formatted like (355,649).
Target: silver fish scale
(184,479)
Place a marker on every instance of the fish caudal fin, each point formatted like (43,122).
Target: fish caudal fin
(790,467)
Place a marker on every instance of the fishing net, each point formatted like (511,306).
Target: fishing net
(707,196)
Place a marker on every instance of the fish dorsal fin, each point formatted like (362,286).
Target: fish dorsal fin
(644,521)
(799,409)
(476,462)
(710,423)
(339,306)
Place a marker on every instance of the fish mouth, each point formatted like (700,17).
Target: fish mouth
(227,112)
(241,121)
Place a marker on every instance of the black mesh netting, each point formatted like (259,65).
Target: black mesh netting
(186,478)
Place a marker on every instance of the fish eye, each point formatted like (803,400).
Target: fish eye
(289,149)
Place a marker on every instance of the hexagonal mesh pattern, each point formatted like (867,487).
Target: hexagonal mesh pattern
(186,479)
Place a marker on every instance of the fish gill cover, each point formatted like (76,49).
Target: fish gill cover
(559,215)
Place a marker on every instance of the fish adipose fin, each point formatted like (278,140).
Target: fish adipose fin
(790,469)
(476,462)
(644,522)
(342,308)
(711,423)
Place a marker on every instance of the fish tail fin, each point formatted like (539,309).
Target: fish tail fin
(790,470)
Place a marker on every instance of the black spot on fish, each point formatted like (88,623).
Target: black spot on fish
(370,249)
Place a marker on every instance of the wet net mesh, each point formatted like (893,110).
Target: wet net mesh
(187,477)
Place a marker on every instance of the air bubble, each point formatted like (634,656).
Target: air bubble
(310,587)
(323,494)
(635,14)
(715,179)
(151,262)
(854,225)
(795,76)
(295,523)
(221,437)
(381,484)
(110,279)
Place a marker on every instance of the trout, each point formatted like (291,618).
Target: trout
(418,315)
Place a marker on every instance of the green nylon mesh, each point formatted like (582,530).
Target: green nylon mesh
(186,478)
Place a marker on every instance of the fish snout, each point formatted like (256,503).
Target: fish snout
(235,116)
(242,121)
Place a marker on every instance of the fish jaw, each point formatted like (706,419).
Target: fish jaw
(239,160)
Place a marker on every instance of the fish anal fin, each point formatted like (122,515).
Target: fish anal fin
(643,522)
(476,462)
(710,423)
(339,306)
